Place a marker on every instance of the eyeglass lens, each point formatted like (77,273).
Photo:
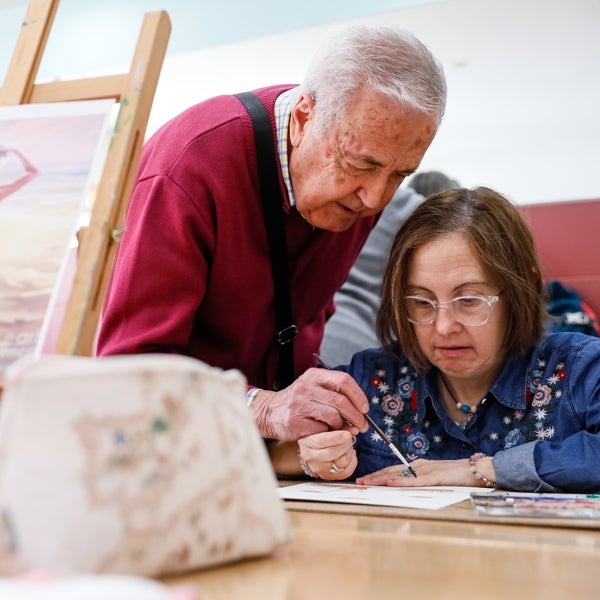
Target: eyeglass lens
(468,310)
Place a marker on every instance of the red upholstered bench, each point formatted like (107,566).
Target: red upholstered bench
(567,235)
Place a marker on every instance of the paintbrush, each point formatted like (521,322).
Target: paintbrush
(321,363)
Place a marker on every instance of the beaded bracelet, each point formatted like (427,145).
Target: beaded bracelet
(251,396)
(473,466)
(307,470)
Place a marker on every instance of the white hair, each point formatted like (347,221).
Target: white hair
(390,62)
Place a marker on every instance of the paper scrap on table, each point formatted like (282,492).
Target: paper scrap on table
(431,498)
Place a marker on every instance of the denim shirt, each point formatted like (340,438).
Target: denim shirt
(540,420)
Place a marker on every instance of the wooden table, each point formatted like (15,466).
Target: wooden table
(360,553)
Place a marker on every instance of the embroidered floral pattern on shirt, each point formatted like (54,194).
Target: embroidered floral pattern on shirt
(541,398)
(399,408)
(417,444)
(550,393)
(544,397)
(542,394)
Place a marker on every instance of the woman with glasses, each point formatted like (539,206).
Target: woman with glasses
(467,385)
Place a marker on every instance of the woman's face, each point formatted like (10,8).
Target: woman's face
(442,270)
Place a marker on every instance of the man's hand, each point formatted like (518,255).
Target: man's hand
(319,400)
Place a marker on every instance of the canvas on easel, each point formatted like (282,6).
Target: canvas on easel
(48,154)
(134,91)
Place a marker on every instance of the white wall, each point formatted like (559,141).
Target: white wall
(523,78)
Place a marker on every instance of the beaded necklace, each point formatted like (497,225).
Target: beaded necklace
(468,411)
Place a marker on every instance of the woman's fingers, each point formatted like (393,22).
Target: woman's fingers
(330,454)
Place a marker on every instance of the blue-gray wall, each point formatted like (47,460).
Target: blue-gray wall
(90,35)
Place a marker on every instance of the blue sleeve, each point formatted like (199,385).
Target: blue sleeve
(569,460)
(515,470)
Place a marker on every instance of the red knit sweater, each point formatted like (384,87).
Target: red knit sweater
(192,274)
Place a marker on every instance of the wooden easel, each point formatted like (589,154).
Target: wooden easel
(135,91)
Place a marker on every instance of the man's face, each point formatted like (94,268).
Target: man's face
(353,169)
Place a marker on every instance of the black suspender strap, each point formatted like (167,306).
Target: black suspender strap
(272,207)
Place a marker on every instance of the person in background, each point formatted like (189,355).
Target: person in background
(193,275)
(428,183)
(467,384)
(352,326)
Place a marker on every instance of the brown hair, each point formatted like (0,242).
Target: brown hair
(502,243)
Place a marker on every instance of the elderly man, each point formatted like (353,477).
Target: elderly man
(194,271)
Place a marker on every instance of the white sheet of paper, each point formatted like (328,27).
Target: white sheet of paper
(431,498)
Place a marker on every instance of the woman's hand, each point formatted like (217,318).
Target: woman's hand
(329,455)
(432,472)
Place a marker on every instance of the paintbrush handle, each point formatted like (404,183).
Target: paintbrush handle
(321,363)
(387,440)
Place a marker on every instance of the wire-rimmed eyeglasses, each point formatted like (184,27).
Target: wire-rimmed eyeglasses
(471,311)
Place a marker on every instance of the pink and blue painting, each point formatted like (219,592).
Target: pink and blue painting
(50,160)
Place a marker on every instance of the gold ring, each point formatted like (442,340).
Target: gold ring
(335,468)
